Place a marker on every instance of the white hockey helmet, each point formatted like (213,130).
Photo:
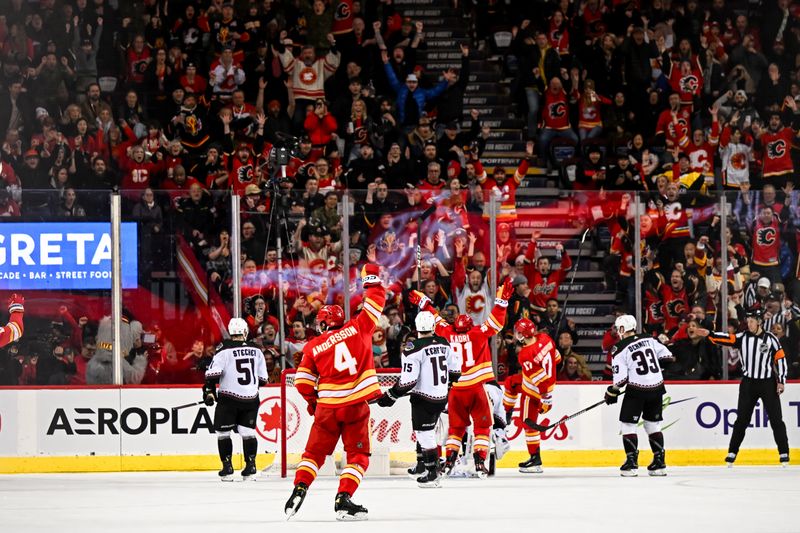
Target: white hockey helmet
(625,323)
(237,326)
(425,322)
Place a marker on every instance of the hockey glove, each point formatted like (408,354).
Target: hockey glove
(547,404)
(418,299)
(612,394)
(370,276)
(312,406)
(209,394)
(387,400)
(16,304)
(504,292)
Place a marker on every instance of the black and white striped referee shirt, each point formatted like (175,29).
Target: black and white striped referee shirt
(760,353)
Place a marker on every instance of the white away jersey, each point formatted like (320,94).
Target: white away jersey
(240,368)
(426,364)
(636,362)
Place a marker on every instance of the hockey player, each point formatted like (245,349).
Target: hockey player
(636,363)
(337,378)
(429,368)
(239,368)
(539,361)
(12,332)
(468,397)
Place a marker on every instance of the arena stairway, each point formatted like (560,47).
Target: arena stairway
(541,206)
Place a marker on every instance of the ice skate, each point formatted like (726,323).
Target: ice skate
(657,467)
(347,510)
(730,459)
(226,474)
(249,472)
(450,463)
(480,467)
(295,500)
(631,466)
(784,459)
(430,480)
(417,470)
(532,465)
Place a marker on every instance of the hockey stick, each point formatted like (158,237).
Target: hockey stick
(538,427)
(572,280)
(188,405)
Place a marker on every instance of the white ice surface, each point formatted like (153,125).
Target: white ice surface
(746,499)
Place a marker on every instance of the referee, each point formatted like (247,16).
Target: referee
(764,369)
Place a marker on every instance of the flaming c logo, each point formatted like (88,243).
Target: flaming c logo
(475,303)
(343,11)
(558,110)
(776,149)
(689,84)
(766,236)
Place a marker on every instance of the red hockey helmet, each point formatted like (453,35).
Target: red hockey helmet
(329,317)
(463,323)
(525,327)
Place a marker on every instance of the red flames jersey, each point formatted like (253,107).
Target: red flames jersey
(653,307)
(676,135)
(675,303)
(12,331)
(766,243)
(777,152)
(542,289)
(687,86)
(473,347)
(677,221)
(337,367)
(139,176)
(539,362)
(243,173)
(555,114)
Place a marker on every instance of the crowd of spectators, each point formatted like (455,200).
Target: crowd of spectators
(181,104)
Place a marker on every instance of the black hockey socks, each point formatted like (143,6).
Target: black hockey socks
(656,442)
(430,459)
(630,442)
(250,448)
(225,446)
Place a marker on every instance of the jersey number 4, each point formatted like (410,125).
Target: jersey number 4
(343,360)
(464,349)
(646,362)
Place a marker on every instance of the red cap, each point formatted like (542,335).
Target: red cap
(31,153)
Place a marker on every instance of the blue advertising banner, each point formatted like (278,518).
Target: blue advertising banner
(64,255)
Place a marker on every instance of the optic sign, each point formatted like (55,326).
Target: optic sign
(70,255)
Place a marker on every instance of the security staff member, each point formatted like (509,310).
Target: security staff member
(764,369)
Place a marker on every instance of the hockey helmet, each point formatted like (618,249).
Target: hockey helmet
(525,328)
(425,322)
(237,326)
(754,312)
(330,316)
(624,324)
(463,323)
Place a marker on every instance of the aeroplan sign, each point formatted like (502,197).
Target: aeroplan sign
(64,255)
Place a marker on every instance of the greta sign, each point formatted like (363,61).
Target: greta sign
(70,255)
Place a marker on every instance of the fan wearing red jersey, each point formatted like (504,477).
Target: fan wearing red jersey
(468,398)
(12,332)
(776,142)
(539,360)
(337,378)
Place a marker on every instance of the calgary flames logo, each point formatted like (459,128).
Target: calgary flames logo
(776,149)
(308,76)
(558,110)
(475,303)
(342,11)
(223,35)
(655,311)
(245,173)
(689,84)
(739,161)
(675,307)
(682,121)
(766,236)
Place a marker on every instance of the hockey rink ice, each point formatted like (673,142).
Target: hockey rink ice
(751,499)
